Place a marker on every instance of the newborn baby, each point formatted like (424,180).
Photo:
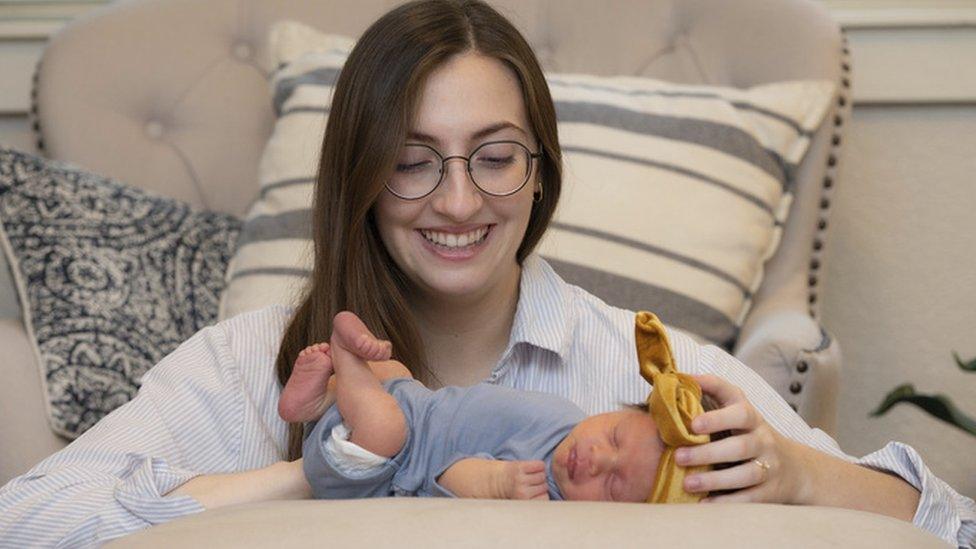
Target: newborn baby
(390,435)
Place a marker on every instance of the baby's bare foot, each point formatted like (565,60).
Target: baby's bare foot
(350,333)
(523,480)
(303,398)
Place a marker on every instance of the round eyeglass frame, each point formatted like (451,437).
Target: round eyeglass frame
(467,161)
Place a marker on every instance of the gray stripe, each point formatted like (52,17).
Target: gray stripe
(721,137)
(293,224)
(282,271)
(644,246)
(284,183)
(741,105)
(286,86)
(678,310)
(677,169)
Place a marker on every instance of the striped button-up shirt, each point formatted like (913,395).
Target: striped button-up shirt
(211,407)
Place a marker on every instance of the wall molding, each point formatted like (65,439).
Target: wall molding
(873,14)
(39,19)
(904,52)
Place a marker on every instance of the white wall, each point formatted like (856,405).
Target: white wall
(900,288)
(900,285)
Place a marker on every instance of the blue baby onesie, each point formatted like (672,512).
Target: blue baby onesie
(444,426)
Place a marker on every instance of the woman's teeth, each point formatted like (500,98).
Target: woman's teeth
(451,240)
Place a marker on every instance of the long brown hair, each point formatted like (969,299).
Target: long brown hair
(375,97)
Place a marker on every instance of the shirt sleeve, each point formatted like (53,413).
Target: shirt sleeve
(941,510)
(113,480)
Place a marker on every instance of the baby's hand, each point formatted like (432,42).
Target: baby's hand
(524,480)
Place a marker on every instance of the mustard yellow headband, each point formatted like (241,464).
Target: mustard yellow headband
(674,403)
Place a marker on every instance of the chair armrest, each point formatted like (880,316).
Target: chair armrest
(795,355)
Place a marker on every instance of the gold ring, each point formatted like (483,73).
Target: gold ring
(762,465)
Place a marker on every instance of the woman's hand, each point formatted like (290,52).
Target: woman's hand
(794,472)
(772,468)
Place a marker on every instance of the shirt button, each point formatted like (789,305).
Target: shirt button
(154,129)
(243,51)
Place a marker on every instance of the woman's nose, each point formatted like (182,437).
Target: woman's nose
(457,197)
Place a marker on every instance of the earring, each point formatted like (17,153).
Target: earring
(537,196)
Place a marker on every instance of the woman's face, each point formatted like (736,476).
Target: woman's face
(458,242)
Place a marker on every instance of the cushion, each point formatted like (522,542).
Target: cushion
(110,280)
(674,195)
(436,523)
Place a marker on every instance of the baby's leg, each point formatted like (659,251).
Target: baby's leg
(304,396)
(373,415)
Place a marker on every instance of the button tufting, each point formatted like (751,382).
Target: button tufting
(802,366)
(242,50)
(795,387)
(154,129)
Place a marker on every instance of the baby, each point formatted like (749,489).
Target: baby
(389,435)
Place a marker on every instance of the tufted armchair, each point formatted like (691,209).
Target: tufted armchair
(178,103)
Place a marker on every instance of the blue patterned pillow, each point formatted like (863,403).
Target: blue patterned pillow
(110,279)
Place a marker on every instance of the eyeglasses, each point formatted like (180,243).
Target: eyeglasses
(497,168)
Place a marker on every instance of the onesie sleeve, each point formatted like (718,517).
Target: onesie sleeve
(336,468)
(186,420)
(941,510)
(331,468)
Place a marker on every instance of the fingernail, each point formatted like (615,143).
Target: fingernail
(681,455)
(698,424)
(692,483)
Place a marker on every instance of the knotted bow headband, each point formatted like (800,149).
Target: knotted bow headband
(674,403)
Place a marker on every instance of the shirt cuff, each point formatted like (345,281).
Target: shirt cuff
(941,510)
(141,493)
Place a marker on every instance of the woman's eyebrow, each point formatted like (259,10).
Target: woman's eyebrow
(480,134)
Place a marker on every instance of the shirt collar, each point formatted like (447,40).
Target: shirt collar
(545,316)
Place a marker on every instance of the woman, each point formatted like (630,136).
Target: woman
(442,267)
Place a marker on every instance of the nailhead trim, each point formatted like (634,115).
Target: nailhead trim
(844,106)
(796,387)
(34,115)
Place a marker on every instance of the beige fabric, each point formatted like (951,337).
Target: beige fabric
(432,523)
(25,437)
(172,96)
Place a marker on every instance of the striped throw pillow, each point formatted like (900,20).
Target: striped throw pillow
(674,195)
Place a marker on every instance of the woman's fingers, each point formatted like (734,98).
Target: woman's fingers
(725,392)
(727,450)
(751,495)
(741,476)
(740,416)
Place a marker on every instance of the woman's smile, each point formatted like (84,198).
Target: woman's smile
(455,244)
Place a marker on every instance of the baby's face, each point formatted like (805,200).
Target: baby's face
(609,457)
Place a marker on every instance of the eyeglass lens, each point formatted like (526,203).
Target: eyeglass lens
(497,168)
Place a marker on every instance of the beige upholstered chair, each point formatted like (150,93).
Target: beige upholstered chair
(172,96)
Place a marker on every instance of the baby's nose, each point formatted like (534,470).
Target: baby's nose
(602,460)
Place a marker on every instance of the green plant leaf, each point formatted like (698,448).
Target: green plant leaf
(936,405)
(967,366)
